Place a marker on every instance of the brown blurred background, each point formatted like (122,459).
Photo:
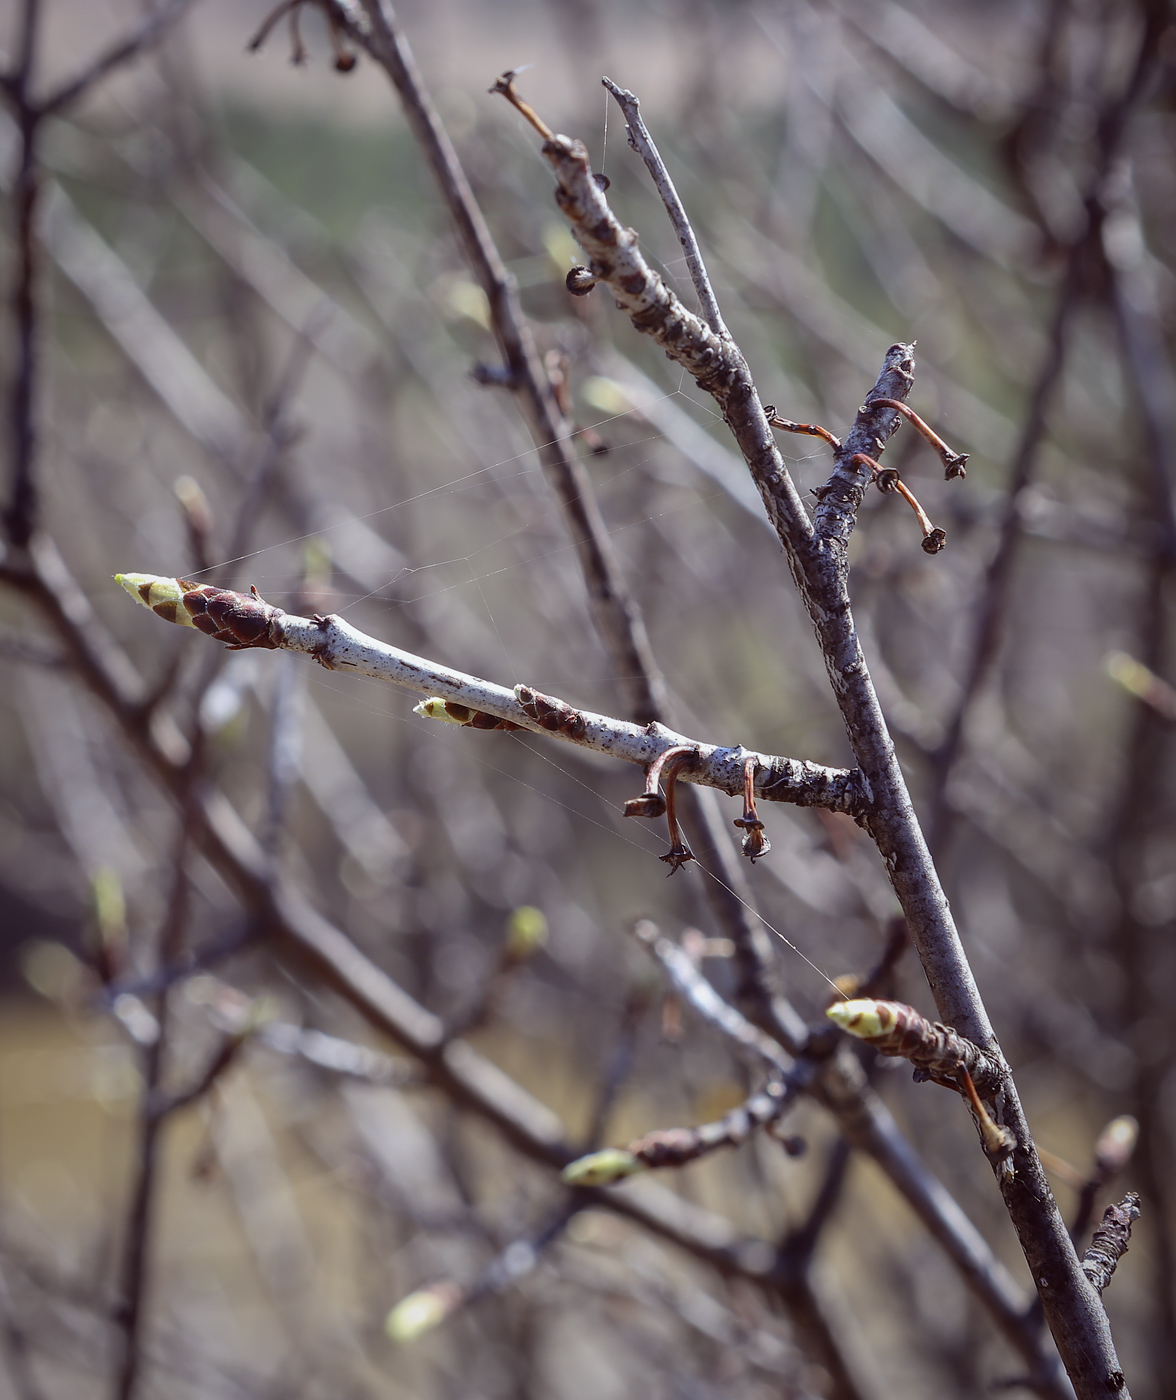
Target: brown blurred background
(257,342)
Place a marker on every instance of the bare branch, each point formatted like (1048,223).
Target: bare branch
(242,621)
(643,144)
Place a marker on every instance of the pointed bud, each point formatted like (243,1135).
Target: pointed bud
(239,620)
(448,711)
(602,1168)
(164,596)
(420,1312)
(864,1018)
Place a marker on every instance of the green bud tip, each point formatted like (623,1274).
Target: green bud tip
(436,708)
(602,1168)
(110,907)
(162,595)
(526,931)
(420,1312)
(862,1018)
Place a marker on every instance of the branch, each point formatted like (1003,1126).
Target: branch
(1110,1241)
(309,941)
(641,141)
(716,364)
(243,622)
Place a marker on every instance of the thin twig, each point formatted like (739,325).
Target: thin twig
(641,141)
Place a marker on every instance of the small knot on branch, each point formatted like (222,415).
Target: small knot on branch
(1110,1240)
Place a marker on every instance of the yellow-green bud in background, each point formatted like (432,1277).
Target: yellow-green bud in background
(163,596)
(602,1168)
(420,1312)
(864,1018)
(1116,1145)
(526,932)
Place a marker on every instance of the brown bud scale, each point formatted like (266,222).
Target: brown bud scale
(237,619)
(555,715)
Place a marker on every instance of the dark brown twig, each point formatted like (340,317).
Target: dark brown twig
(1110,1241)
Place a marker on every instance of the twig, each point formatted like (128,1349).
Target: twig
(641,141)
(676,1147)
(243,621)
(716,363)
(1110,1241)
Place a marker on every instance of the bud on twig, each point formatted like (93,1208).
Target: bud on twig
(893,1028)
(450,712)
(602,1168)
(239,620)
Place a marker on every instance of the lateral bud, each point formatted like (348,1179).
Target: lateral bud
(450,712)
(893,1028)
(553,714)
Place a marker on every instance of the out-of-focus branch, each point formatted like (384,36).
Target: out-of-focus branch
(21,509)
(150,29)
